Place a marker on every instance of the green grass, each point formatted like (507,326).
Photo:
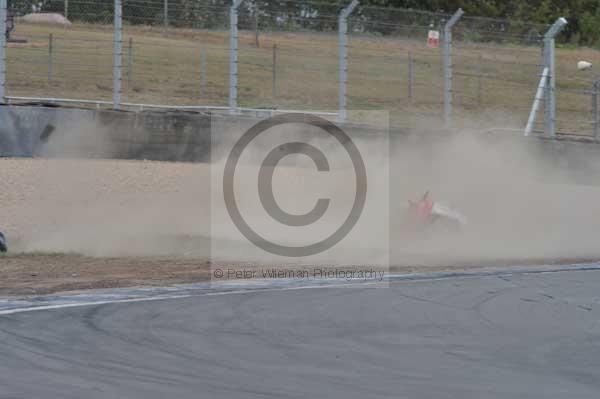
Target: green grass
(493,84)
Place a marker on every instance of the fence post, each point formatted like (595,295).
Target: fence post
(447,59)
(3,15)
(202,71)
(274,66)
(479,78)
(130,62)
(117,54)
(539,95)
(342,32)
(256,38)
(50,60)
(549,96)
(410,75)
(595,116)
(66,12)
(165,16)
(233,55)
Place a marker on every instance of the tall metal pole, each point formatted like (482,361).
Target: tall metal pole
(165,16)
(410,75)
(256,38)
(595,119)
(2,48)
(549,97)
(233,55)
(447,59)
(117,54)
(274,70)
(342,32)
(202,72)
(539,96)
(479,79)
(130,62)
(50,57)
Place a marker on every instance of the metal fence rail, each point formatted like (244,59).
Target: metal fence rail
(298,55)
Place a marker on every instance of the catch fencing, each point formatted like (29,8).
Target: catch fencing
(293,55)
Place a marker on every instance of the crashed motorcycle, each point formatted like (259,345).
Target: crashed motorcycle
(425,217)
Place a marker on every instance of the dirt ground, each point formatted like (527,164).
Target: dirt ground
(102,208)
(75,224)
(39,274)
(80,224)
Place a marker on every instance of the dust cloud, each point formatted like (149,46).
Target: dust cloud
(518,195)
(518,199)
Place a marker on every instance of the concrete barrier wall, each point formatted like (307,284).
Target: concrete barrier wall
(34,130)
(27,131)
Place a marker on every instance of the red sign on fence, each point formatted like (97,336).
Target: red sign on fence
(433,39)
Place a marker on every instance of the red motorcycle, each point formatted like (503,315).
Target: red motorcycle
(426,216)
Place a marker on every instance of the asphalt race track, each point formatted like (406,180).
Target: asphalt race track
(530,335)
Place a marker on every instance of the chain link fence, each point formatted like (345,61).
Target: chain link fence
(51,57)
(496,68)
(391,65)
(177,53)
